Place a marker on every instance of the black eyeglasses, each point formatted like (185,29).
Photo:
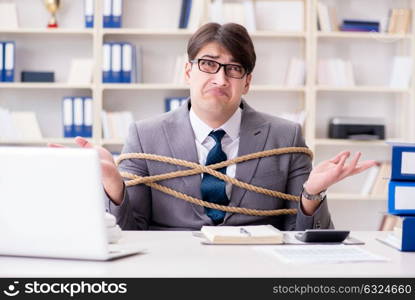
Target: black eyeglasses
(213,67)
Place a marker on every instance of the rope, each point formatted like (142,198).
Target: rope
(210,169)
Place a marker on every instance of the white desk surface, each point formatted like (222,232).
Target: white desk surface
(179,254)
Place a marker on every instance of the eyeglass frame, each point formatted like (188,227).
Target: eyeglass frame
(197,60)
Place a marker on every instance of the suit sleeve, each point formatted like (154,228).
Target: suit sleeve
(134,212)
(299,170)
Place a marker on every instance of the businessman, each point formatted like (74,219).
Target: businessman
(214,125)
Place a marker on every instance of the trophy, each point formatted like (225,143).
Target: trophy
(52,6)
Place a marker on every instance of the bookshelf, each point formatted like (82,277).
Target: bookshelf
(153,25)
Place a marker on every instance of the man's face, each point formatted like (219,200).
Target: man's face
(215,94)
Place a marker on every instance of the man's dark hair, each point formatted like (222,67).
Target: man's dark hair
(233,37)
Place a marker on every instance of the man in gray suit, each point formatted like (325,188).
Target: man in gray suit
(214,125)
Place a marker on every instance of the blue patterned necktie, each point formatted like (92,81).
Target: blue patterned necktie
(213,188)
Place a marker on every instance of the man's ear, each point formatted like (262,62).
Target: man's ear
(247,84)
(187,70)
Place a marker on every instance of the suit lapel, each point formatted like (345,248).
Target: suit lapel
(181,140)
(253,136)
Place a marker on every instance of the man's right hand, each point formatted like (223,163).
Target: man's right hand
(111,178)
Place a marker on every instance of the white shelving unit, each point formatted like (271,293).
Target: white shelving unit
(39,48)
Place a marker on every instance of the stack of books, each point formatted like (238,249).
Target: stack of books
(19,125)
(399,20)
(327,18)
(401,201)
(112,13)
(193,13)
(281,16)
(77,116)
(115,124)
(360,25)
(335,72)
(295,76)
(178,75)
(7,61)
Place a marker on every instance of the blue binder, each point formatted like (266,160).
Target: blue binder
(401,198)
(127,62)
(89,13)
(106,63)
(9,61)
(106,17)
(403,163)
(87,117)
(67,117)
(408,234)
(116,14)
(116,62)
(405,228)
(78,116)
(1,62)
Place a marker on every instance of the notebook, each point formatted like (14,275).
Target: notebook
(259,234)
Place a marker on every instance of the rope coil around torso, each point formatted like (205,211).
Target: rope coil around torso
(211,169)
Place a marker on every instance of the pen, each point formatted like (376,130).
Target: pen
(244,231)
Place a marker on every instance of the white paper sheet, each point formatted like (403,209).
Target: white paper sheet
(321,254)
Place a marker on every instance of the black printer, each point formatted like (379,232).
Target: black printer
(357,128)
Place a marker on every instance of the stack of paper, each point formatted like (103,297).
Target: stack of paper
(318,254)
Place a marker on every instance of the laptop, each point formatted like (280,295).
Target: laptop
(52,205)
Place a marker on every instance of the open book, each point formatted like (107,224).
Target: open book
(260,234)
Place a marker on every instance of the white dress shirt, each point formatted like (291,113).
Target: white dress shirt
(230,141)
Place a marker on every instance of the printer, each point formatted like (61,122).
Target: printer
(357,128)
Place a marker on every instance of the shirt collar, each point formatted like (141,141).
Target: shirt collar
(202,130)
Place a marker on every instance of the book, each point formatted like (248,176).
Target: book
(295,75)
(80,71)
(370,180)
(380,187)
(399,20)
(335,72)
(401,72)
(8,15)
(26,125)
(323,17)
(286,16)
(259,234)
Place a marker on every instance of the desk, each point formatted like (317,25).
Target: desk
(179,254)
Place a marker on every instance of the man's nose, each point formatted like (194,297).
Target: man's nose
(220,77)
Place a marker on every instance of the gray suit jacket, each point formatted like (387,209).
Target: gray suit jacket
(172,135)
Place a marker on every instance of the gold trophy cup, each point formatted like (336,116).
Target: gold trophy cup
(52,6)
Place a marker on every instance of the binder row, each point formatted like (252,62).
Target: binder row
(112,13)
(77,116)
(7,61)
(120,63)
(402,183)
(173,103)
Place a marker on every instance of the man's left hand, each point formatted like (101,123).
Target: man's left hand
(331,171)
